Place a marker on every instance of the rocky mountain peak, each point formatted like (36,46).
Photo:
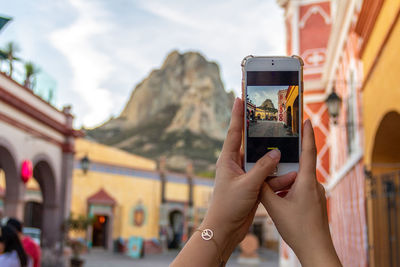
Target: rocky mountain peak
(267,104)
(183,99)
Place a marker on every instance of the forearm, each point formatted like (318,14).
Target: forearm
(324,255)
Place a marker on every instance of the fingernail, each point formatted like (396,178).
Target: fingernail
(274,154)
(308,121)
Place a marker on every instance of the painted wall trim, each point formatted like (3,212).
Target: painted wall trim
(143,174)
(337,176)
(335,46)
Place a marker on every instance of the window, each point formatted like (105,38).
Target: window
(351,106)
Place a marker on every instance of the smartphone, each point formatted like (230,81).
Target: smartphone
(272,89)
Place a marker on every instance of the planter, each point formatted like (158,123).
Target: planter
(77,262)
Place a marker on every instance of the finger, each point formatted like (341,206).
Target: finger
(308,157)
(263,168)
(282,182)
(271,201)
(234,136)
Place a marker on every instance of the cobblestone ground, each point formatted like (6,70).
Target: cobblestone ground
(267,129)
(101,258)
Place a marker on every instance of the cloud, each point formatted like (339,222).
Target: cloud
(226,31)
(110,46)
(258,94)
(90,67)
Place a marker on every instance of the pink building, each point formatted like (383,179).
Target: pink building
(281,106)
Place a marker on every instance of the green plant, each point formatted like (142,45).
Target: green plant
(30,71)
(77,224)
(10,51)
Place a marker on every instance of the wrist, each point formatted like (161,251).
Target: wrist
(319,256)
(223,236)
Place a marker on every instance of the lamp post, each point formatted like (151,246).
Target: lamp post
(85,164)
(190,217)
(163,206)
(333,101)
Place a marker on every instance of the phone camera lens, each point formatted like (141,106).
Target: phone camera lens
(272,63)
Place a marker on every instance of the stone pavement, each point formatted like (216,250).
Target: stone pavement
(267,129)
(101,258)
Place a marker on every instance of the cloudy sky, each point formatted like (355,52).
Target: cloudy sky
(98,50)
(258,94)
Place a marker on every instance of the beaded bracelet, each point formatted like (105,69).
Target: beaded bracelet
(207,235)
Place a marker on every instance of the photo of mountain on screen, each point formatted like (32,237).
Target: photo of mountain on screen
(272,111)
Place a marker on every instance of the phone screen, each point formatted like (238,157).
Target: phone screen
(272,114)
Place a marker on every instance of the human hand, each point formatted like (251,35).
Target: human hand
(301,216)
(236,193)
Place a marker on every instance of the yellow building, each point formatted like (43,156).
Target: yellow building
(123,193)
(379,27)
(262,114)
(292,108)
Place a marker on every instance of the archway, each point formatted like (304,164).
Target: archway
(175,234)
(386,150)
(296,121)
(289,119)
(33,214)
(382,194)
(14,188)
(100,230)
(44,175)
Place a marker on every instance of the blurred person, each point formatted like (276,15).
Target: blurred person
(12,253)
(30,246)
(299,214)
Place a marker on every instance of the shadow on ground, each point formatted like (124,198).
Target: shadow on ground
(101,258)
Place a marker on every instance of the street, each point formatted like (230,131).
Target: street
(267,129)
(101,258)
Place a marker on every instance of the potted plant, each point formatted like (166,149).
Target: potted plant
(77,224)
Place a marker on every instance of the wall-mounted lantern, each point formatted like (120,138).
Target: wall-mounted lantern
(333,102)
(85,164)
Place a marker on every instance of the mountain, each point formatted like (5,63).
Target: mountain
(267,104)
(180,111)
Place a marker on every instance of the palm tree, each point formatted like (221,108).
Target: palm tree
(3,56)
(30,71)
(10,51)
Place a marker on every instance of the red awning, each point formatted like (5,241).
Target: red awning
(101,197)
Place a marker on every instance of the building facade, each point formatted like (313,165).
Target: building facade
(358,158)
(34,133)
(125,191)
(133,197)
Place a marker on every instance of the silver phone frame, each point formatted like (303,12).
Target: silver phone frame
(269,63)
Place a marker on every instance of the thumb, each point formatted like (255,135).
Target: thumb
(263,168)
(271,201)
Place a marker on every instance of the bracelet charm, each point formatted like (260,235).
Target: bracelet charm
(207,234)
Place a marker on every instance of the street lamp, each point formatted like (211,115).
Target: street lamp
(85,164)
(333,102)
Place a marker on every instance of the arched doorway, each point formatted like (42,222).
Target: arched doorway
(14,188)
(33,214)
(175,232)
(383,194)
(100,231)
(44,175)
(295,129)
(289,120)
(386,150)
